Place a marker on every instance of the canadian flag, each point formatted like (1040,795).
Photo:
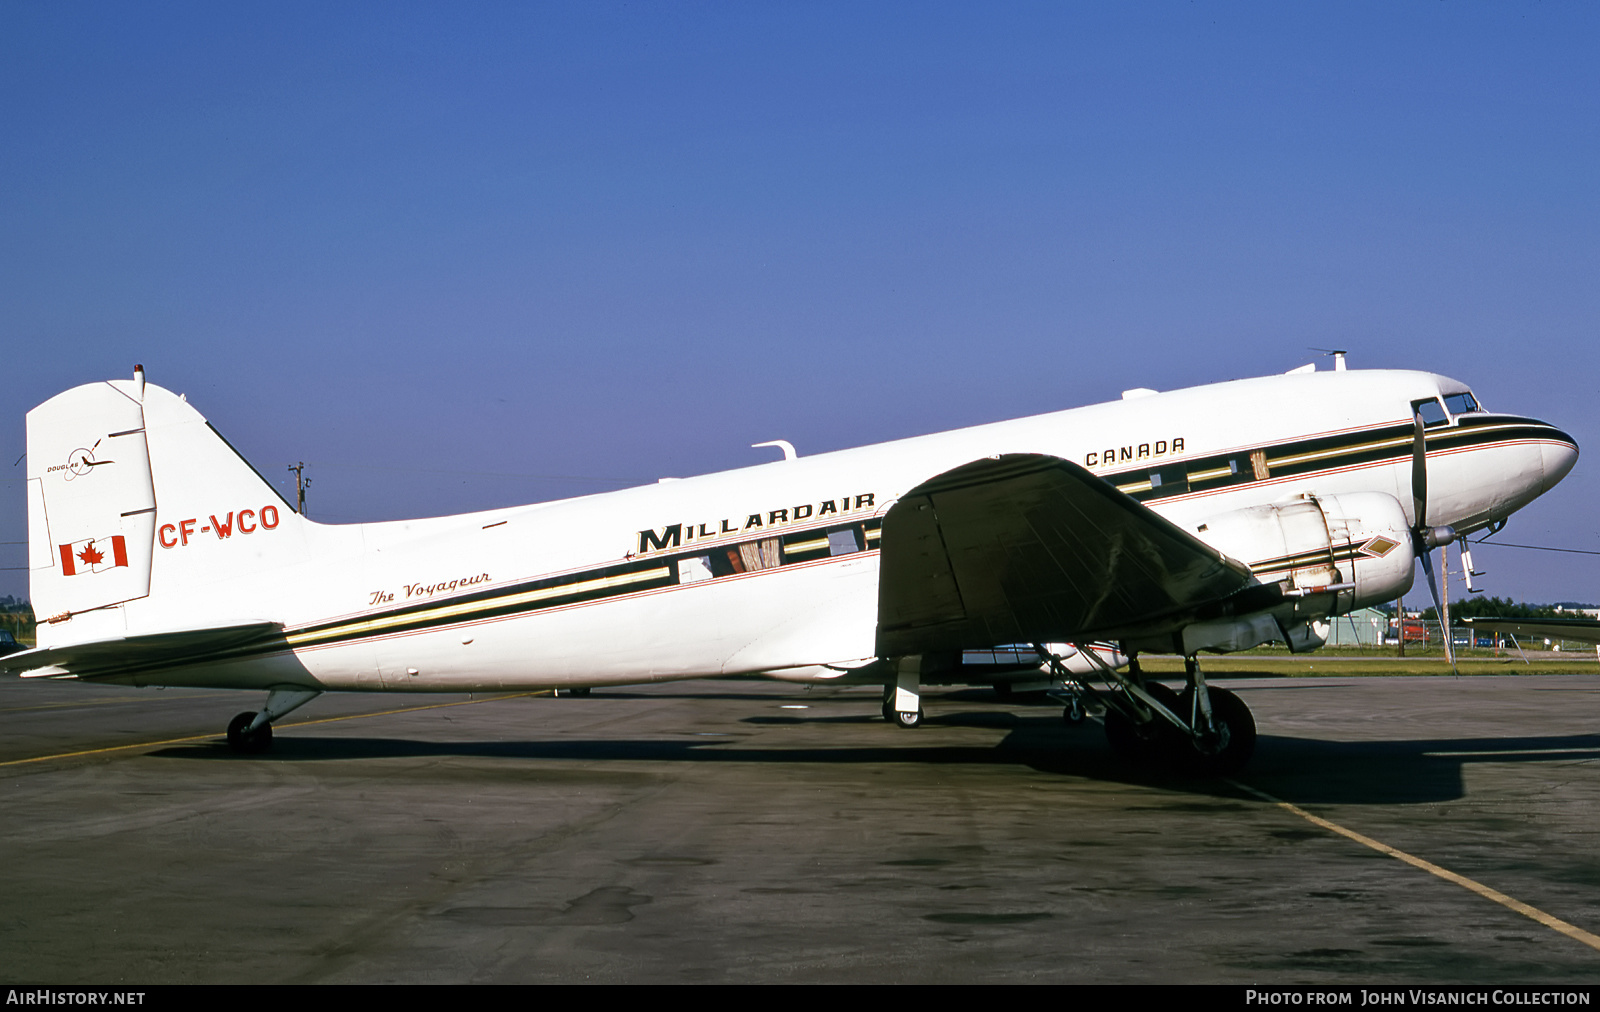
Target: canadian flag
(94,555)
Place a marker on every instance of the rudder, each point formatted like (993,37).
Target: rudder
(134,497)
(91,501)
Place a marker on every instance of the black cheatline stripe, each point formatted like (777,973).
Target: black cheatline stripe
(620,580)
(1286,460)
(531,595)
(582,587)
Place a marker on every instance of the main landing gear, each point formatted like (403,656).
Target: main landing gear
(251,732)
(1202,731)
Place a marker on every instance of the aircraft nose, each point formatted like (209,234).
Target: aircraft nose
(1560,453)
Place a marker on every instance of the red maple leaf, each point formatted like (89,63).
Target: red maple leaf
(89,556)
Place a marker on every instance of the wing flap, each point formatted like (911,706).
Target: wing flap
(1031,548)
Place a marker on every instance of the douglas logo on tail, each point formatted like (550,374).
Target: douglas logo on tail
(983,555)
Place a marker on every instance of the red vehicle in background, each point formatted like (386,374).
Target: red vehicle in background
(1412,630)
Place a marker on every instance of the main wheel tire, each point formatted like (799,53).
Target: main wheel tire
(908,718)
(242,739)
(1235,740)
(1150,743)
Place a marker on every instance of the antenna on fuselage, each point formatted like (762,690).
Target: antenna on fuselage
(1338,357)
(782,444)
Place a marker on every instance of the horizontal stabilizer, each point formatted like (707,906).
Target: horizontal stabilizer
(129,655)
(1027,548)
(1586,630)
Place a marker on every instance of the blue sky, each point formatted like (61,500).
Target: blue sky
(458,256)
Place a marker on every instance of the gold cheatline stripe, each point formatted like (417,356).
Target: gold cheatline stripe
(1301,458)
(805,546)
(1534,913)
(456,610)
(1337,451)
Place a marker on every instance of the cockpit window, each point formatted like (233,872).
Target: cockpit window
(1460,404)
(1431,412)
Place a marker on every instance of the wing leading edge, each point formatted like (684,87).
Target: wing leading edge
(1027,548)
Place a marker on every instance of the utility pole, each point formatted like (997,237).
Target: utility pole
(301,483)
(1400,626)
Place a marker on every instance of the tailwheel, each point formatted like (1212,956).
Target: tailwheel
(242,739)
(908,718)
(1227,745)
(1150,743)
(1073,712)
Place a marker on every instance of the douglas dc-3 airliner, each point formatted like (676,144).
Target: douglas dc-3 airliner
(1209,519)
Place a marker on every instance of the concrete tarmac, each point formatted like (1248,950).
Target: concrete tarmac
(757,832)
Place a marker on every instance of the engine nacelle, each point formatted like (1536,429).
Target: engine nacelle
(1333,554)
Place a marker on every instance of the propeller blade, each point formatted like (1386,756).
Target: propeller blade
(1419,474)
(1438,609)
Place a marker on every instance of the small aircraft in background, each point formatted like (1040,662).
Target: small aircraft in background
(1579,628)
(1208,519)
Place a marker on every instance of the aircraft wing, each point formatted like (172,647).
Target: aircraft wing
(1026,548)
(1586,630)
(131,654)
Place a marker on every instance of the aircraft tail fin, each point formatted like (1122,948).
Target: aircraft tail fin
(132,495)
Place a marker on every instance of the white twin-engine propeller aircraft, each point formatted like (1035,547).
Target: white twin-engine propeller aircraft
(1209,519)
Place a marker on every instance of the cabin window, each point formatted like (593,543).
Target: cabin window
(843,542)
(1461,404)
(694,569)
(1431,411)
(758,555)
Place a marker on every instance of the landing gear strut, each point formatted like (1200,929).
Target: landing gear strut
(1223,733)
(902,699)
(1149,742)
(1203,731)
(251,732)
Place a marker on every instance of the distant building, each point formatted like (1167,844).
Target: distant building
(1586,612)
(1364,628)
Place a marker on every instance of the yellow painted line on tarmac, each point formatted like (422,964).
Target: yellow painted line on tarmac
(303,723)
(1534,913)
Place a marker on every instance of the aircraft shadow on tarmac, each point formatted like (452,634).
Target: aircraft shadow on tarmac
(1301,770)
